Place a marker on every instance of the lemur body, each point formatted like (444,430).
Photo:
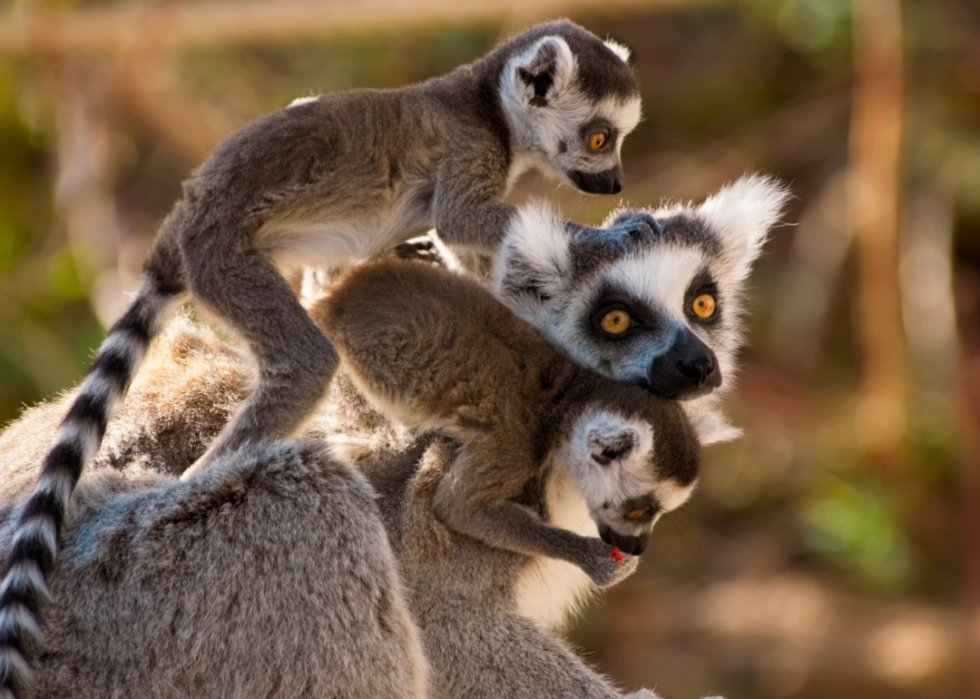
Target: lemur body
(485,627)
(331,180)
(435,350)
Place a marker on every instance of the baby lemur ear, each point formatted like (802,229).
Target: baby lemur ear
(545,70)
(606,447)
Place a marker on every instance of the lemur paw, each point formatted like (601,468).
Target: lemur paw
(607,565)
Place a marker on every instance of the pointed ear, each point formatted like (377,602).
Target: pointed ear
(617,48)
(708,422)
(619,215)
(532,264)
(742,213)
(544,70)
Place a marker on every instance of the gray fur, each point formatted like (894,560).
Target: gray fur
(270,575)
(464,595)
(334,179)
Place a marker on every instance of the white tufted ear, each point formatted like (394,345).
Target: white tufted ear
(742,214)
(622,51)
(533,256)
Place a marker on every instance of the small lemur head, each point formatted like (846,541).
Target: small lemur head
(651,298)
(632,469)
(570,100)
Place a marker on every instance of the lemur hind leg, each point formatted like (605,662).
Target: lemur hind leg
(295,360)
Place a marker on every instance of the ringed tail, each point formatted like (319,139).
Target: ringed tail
(34,546)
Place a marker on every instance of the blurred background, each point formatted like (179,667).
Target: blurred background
(834,551)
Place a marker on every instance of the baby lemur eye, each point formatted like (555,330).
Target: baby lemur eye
(704,306)
(597,140)
(616,322)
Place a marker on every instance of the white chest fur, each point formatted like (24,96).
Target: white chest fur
(549,591)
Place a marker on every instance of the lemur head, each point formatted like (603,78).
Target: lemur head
(570,100)
(651,298)
(631,469)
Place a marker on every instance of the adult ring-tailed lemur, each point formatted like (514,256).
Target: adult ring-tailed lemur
(193,383)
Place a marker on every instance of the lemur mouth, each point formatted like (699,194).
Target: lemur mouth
(605,182)
(632,545)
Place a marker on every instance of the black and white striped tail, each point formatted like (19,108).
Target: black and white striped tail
(35,542)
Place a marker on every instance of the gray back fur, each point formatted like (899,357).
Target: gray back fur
(270,575)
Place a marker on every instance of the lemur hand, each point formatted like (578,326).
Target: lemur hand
(605,565)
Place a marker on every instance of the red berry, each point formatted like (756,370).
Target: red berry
(616,555)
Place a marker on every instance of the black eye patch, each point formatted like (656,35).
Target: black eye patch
(643,319)
(702,284)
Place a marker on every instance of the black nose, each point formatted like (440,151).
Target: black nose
(697,369)
(687,370)
(605,182)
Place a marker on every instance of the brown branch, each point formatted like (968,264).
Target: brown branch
(873,210)
(110,30)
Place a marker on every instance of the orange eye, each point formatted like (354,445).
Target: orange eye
(616,322)
(704,306)
(635,514)
(597,140)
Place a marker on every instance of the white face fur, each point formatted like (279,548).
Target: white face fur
(559,128)
(613,463)
(671,277)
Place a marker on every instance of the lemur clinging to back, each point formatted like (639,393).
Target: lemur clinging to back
(332,180)
(488,379)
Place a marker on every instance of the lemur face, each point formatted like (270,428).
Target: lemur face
(654,296)
(627,482)
(570,114)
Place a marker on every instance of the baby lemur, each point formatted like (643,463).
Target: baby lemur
(488,379)
(332,180)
